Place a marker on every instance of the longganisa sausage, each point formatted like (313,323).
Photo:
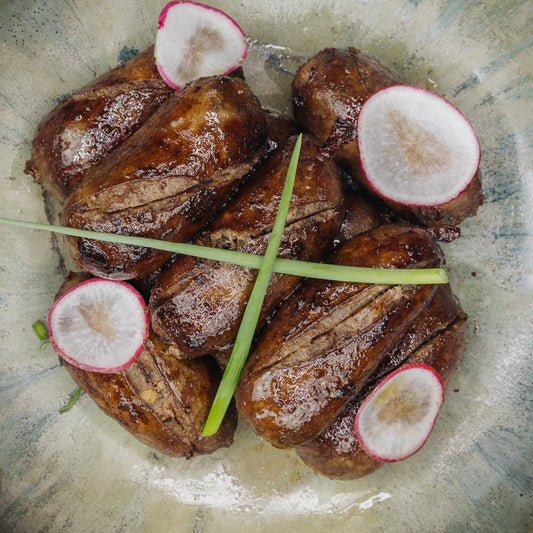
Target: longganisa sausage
(168,178)
(88,125)
(197,304)
(328,338)
(330,88)
(161,400)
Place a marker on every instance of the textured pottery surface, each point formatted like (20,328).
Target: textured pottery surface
(81,472)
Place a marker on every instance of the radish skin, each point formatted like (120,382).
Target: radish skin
(415,147)
(397,417)
(195,40)
(99,325)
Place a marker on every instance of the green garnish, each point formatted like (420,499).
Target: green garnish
(246,331)
(40,330)
(42,333)
(72,401)
(305,269)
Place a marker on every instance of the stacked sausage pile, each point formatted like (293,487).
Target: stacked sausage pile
(207,164)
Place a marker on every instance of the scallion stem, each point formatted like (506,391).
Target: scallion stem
(350,274)
(306,269)
(40,330)
(248,323)
(72,401)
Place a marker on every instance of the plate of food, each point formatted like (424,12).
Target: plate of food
(266,266)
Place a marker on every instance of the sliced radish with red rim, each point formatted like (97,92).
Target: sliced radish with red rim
(415,147)
(99,325)
(195,40)
(397,417)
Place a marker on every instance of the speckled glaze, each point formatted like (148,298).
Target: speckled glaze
(81,472)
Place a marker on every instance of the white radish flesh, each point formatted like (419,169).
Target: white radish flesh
(415,147)
(99,325)
(398,416)
(195,40)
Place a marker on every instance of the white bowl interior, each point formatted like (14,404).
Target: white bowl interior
(80,471)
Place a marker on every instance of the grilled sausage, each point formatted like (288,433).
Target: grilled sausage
(197,304)
(328,338)
(331,87)
(163,401)
(436,338)
(88,125)
(169,178)
(360,215)
(279,129)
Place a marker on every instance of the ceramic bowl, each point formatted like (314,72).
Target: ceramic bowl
(80,471)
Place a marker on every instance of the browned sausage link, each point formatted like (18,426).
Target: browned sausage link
(112,394)
(161,400)
(181,393)
(328,338)
(279,129)
(436,338)
(332,86)
(361,214)
(170,177)
(88,125)
(198,304)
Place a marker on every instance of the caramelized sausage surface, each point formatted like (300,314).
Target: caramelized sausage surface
(169,178)
(88,125)
(328,338)
(198,304)
(332,86)
(436,338)
(161,400)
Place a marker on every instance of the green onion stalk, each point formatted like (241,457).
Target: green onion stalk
(350,274)
(42,333)
(249,320)
(40,330)
(72,401)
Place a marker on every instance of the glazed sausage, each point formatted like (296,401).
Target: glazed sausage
(328,338)
(436,338)
(88,125)
(360,215)
(161,400)
(279,129)
(198,304)
(331,87)
(169,178)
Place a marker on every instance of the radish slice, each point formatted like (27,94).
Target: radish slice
(416,148)
(195,40)
(397,417)
(99,325)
